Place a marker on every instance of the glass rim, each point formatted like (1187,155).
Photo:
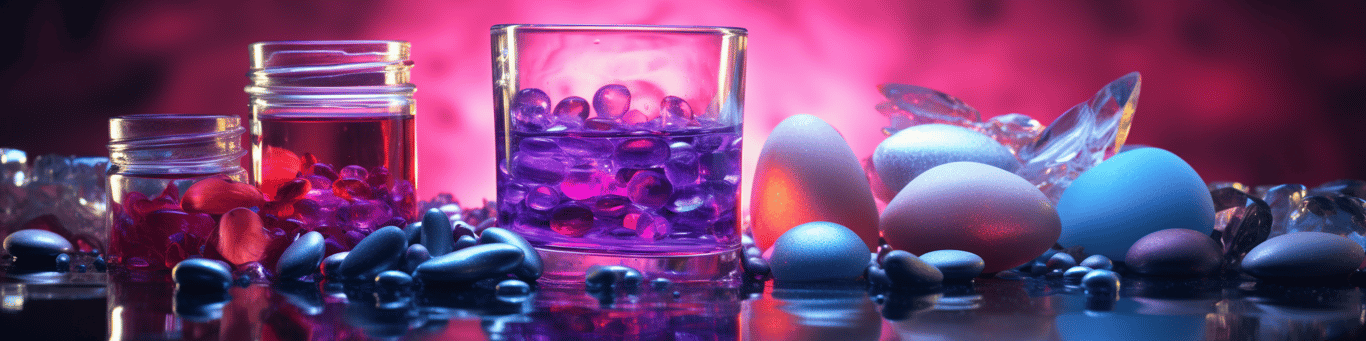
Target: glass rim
(328,42)
(620,28)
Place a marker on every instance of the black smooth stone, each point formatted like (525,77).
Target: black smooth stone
(393,280)
(530,270)
(956,265)
(414,233)
(1308,255)
(1100,281)
(610,276)
(201,275)
(877,277)
(1074,275)
(1038,268)
(332,263)
(100,264)
(436,232)
(1174,252)
(660,284)
(381,250)
(1061,261)
(512,287)
(471,264)
(34,248)
(1098,262)
(907,270)
(81,268)
(63,262)
(460,229)
(464,242)
(416,255)
(757,268)
(302,257)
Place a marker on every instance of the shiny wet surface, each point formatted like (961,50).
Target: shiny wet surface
(78,306)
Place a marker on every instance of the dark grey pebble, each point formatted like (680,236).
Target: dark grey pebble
(471,264)
(531,266)
(757,268)
(460,229)
(487,223)
(660,284)
(818,251)
(753,251)
(302,257)
(100,264)
(436,232)
(80,268)
(332,263)
(201,274)
(877,277)
(1098,262)
(416,255)
(907,270)
(612,276)
(954,264)
(1175,253)
(63,262)
(381,250)
(464,242)
(1037,268)
(1100,281)
(39,246)
(1060,261)
(1305,255)
(1074,275)
(393,280)
(512,287)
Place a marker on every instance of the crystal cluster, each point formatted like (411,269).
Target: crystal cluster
(661,175)
(62,194)
(1053,156)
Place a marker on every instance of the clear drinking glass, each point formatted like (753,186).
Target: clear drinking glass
(621,145)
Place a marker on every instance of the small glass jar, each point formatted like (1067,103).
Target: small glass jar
(153,161)
(332,135)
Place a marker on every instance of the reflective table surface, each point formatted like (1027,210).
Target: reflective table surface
(87,306)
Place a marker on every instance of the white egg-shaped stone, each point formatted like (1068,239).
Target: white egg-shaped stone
(806,172)
(912,151)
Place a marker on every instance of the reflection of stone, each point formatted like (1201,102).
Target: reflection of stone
(822,314)
(1081,138)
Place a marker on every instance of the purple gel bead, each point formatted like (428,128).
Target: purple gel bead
(611,101)
(641,152)
(571,219)
(649,188)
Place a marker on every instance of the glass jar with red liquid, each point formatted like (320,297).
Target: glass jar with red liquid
(171,178)
(332,135)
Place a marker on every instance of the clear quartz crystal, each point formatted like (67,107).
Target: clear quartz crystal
(1053,156)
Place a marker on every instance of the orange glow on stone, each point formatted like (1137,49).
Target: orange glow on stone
(242,236)
(278,166)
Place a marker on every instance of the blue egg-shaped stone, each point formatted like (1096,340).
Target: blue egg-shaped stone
(381,250)
(393,280)
(1175,252)
(1098,262)
(956,265)
(906,270)
(471,264)
(302,257)
(202,274)
(1074,274)
(818,251)
(1134,193)
(911,151)
(1060,261)
(530,270)
(332,263)
(1304,255)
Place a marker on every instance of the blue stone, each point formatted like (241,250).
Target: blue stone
(1175,252)
(36,249)
(302,257)
(381,250)
(956,265)
(436,232)
(471,264)
(512,287)
(393,280)
(1074,274)
(1308,255)
(1060,261)
(818,251)
(1098,262)
(531,266)
(1100,281)
(201,274)
(332,263)
(416,255)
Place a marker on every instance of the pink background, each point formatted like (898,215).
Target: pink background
(1255,92)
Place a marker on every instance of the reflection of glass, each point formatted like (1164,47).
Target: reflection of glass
(567,313)
(621,145)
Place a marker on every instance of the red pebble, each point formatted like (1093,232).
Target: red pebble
(324,170)
(242,236)
(293,190)
(351,189)
(378,177)
(278,165)
(219,194)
